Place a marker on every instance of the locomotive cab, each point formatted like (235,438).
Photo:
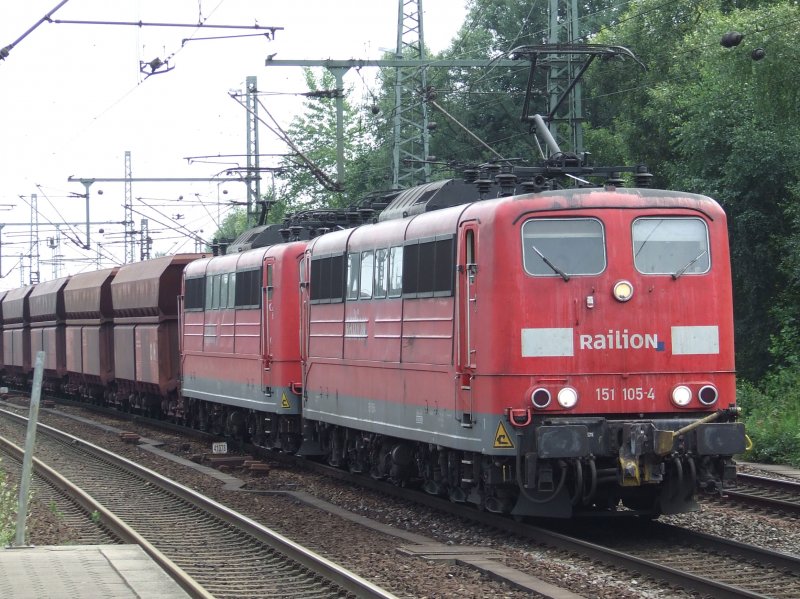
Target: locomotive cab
(600,327)
(540,354)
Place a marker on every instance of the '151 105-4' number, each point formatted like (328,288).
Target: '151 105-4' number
(626,393)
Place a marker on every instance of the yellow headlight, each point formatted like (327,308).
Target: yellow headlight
(623,291)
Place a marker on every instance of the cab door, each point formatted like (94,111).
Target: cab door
(467,305)
(267,316)
(305,306)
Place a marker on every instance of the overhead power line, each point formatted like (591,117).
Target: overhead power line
(5,51)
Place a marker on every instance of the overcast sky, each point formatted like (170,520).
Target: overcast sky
(74,100)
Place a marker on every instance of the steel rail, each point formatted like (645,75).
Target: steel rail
(569,543)
(578,546)
(109,519)
(336,574)
(601,553)
(770,493)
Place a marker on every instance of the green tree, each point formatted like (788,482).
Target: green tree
(233,225)
(489,101)
(314,133)
(711,120)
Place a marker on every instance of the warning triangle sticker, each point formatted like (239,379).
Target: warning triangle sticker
(501,438)
(285,402)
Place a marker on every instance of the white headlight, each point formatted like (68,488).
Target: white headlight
(567,397)
(681,396)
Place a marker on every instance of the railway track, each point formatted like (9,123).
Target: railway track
(75,517)
(767,493)
(209,549)
(704,564)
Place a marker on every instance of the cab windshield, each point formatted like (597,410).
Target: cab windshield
(563,247)
(673,246)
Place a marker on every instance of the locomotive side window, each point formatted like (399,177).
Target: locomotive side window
(367,267)
(327,279)
(353,271)
(209,291)
(248,289)
(217,286)
(337,278)
(194,298)
(429,268)
(444,267)
(231,289)
(562,247)
(673,246)
(223,291)
(395,271)
(410,269)
(381,264)
(319,289)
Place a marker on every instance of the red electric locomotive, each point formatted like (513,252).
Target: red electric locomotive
(538,354)
(241,345)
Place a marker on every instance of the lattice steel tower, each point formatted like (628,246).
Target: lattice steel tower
(253,172)
(34,240)
(411,135)
(130,243)
(563,29)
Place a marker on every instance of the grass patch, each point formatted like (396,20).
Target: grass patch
(772,417)
(8,509)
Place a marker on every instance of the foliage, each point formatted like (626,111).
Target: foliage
(315,134)
(785,342)
(710,120)
(772,417)
(235,222)
(8,509)
(233,225)
(704,118)
(486,102)
(54,509)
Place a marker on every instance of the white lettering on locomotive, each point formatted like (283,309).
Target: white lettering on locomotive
(562,342)
(616,339)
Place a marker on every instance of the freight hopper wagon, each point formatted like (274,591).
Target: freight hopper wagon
(241,345)
(2,351)
(541,354)
(48,330)
(146,340)
(89,334)
(18,368)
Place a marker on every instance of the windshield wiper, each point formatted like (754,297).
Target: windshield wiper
(680,271)
(555,268)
